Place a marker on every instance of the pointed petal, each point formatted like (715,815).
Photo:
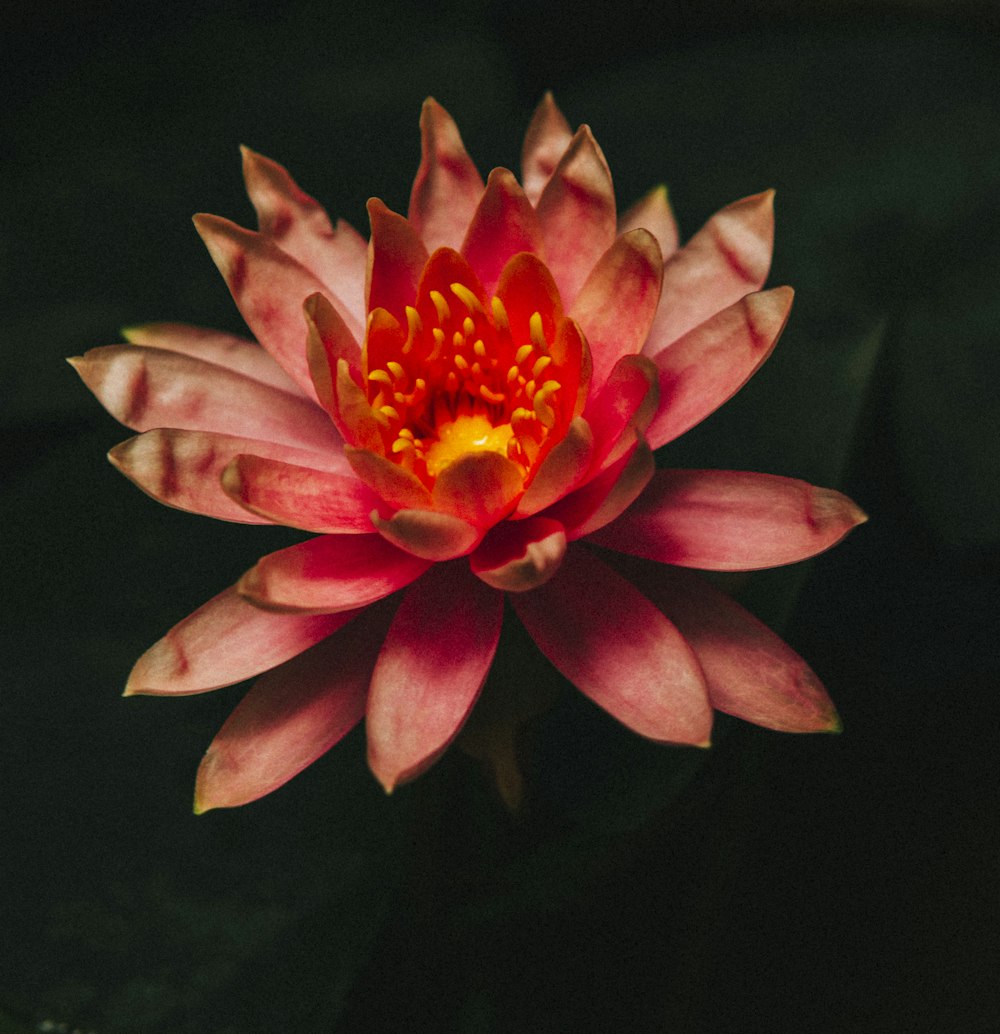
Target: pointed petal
(626,656)
(617,303)
(430,671)
(300,497)
(625,403)
(396,258)
(726,259)
(520,555)
(576,213)
(750,672)
(608,495)
(213,346)
(726,520)
(398,488)
(145,388)
(329,574)
(291,716)
(504,224)
(653,213)
(526,287)
(328,339)
(709,364)
(183,469)
(561,471)
(447,186)
(424,533)
(479,487)
(299,225)
(225,641)
(545,143)
(269,288)
(351,411)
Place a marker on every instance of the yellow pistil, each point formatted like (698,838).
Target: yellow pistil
(460,383)
(466,434)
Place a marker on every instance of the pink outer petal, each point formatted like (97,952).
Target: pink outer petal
(183,468)
(604,498)
(447,186)
(269,288)
(709,364)
(725,520)
(424,533)
(226,641)
(520,555)
(396,259)
(291,717)
(503,225)
(653,212)
(145,388)
(618,649)
(300,497)
(430,671)
(750,672)
(616,305)
(213,346)
(329,574)
(300,226)
(577,214)
(545,142)
(726,259)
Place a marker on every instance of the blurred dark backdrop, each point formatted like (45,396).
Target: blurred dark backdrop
(828,885)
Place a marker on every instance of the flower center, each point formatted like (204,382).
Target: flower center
(463,381)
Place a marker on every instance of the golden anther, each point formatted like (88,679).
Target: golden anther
(466,297)
(535,370)
(443,312)
(500,320)
(522,354)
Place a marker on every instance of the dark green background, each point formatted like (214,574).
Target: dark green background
(820,884)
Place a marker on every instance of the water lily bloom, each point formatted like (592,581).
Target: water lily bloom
(460,410)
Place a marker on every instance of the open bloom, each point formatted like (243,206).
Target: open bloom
(460,409)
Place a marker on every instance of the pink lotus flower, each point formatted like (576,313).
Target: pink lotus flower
(460,410)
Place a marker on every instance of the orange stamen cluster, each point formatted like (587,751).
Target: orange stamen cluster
(461,383)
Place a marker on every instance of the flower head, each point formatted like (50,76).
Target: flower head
(459,410)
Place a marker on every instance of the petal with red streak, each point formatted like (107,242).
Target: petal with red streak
(626,656)
(503,225)
(626,402)
(213,346)
(269,287)
(447,186)
(300,497)
(750,672)
(653,213)
(225,641)
(520,555)
(727,258)
(617,303)
(291,716)
(183,468)
(576,213)
(329,574)
(145,388)
(432,666)
(726,520)
(709,364)
(545,143)
(299,225)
